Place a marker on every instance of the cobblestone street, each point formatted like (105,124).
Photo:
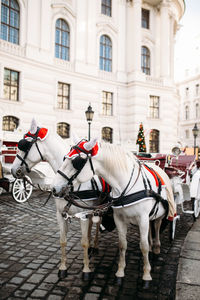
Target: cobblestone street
(30,256)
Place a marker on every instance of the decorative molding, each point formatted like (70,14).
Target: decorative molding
(64,64)
(64,9)
(12,48)
(107,25)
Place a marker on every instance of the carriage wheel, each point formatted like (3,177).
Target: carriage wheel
(195,207)
(21,191)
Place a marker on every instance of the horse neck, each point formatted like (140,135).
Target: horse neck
(117,178)
(55,151)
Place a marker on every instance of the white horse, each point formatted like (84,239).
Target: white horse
(132,198)
(52,149)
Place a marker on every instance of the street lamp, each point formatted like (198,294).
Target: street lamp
(195,131)
(89,113)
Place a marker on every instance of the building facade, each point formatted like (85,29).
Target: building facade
(57,56)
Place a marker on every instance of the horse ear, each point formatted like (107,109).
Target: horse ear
(33,128)
(75,138)
(89,145)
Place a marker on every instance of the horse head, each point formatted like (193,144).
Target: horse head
(78,166)
(30,150)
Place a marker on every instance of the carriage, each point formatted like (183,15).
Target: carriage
(184,173)
(22,188)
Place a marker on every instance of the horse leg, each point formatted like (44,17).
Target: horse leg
(156,246)
(96,238)
(85,225)
(143,223)
(122,231)
(62,273)
(150,238)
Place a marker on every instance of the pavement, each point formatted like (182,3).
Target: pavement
(30,257)
(188,276)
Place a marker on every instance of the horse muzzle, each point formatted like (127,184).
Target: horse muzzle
(60,191)
(18,173)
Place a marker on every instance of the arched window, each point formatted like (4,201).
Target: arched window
(10,21)
(62,40)
(10,123)
(145,60)
(63,130)
(107,134)
(105,53)
(154,141)
(187,112)
(197,110)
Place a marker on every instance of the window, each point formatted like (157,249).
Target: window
(63,130)
(187,91)
(187,134)
(106,7)
(62,42)
(10,21)
(11,85)
(197,115)
(145,18)
(107,134)
(154,141)
(107,102)
(197,89)
(105,53)
(63,95)
(154,107)
(10,123)
(145,63)
(187,112)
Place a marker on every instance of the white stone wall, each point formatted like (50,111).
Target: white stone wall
(40,71)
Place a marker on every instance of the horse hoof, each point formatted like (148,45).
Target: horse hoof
(119,281)
(146,284)
(62,274)
(86,276)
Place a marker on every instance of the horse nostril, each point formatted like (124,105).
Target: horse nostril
(54,191)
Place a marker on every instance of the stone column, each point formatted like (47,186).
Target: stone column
(134,37)
(164,40)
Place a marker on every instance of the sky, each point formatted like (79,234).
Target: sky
(188,40)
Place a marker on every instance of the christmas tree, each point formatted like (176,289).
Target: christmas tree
(141,140)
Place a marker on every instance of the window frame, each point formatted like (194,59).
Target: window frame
(145,18)
(67,130)
(154,110)
(65,100)
(8,25)
(154,144)
(106,7)
(60,46)
(10,119)
(107,132)
(107,103)
(11,86)
(146,60)
(105,60)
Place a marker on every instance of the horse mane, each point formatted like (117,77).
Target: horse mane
(115,157)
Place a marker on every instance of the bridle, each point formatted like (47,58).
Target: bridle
(25,146)
(78,163)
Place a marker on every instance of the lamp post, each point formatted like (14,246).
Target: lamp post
(89,113)
(195,131)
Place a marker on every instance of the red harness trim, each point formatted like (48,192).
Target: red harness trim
(42,134)
(105,186)
(81,144)
(155,175)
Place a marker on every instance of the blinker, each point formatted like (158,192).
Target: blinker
(79,162)
(24,145)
